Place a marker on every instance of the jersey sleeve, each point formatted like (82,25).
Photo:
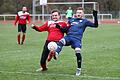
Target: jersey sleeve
(91,24)
(16,19)
(44,27)
(28,18)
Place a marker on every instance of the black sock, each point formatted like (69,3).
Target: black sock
(79,59)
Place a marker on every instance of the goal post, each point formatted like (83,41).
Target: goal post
(63,6)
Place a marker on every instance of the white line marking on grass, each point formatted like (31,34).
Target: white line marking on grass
(59,74)
(14,51)
(17,51)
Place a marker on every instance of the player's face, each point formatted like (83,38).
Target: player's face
(55,16)
(24,9)
(79,13)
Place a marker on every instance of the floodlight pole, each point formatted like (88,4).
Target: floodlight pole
(94,6)
(43,3)
(33,9)
(83,4)
(43,13)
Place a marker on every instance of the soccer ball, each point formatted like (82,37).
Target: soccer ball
(52,46)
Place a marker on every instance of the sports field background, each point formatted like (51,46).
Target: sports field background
(100,52)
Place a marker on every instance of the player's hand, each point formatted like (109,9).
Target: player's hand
(32,25)
(28,22)
(58,26)
(14,25)
(95,13)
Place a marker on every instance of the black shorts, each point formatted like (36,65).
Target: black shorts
(22,28)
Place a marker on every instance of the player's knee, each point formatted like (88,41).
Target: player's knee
(77,50)
(24,33)
(19,33)
(62,41)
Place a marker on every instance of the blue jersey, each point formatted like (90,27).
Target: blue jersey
(78,26)
(75,33)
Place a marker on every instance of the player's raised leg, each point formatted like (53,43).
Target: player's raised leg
(55,52)
(52,46)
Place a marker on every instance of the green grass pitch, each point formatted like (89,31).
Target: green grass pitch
(100,52)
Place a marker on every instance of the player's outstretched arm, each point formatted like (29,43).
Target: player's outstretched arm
(33,27)
(44,27)
(95,18)
(16,20)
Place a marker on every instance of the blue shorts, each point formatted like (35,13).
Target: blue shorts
(73,41)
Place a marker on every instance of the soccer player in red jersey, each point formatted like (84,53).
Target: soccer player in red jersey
(55,33)
(22,18)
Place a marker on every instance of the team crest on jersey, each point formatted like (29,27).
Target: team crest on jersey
(74,23)
(80,20)
(52,25)
(22,17)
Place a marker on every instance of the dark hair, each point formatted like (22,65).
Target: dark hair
(55,10)
(79,8)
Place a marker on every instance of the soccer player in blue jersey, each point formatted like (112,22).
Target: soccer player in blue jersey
(75,34)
